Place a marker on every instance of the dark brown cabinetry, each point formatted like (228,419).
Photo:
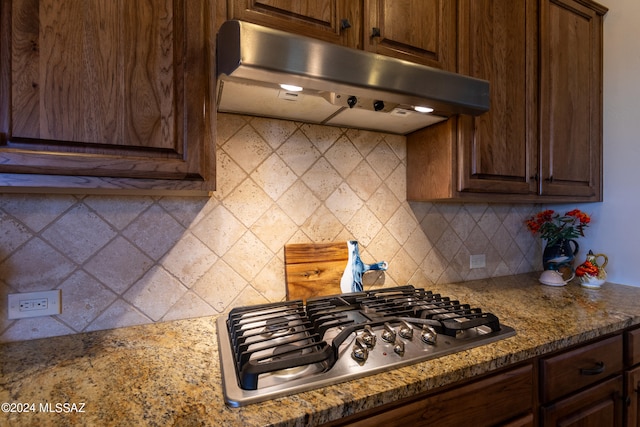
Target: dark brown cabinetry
(571,98)
(632,386)
(505,397)
(497,148)
(601,405)
(113,95)
(632,378)
(333,21)
(470,157)
(584,386)
(421,31)
(521,149)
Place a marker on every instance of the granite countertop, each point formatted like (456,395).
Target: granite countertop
(168,373)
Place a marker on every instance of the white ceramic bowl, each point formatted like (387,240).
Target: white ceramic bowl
(553,278)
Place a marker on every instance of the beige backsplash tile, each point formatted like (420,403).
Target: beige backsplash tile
(90,298)
(120,264)
(127,260)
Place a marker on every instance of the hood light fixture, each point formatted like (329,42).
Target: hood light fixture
(423,109)
(291,88)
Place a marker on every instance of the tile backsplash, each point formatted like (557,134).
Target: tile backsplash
(124,260)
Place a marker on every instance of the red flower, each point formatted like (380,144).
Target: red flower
(552,227)
(545,215)
(581,216)
(534,226)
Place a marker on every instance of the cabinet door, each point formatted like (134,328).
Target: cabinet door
(600,405)
(632,353)
(632,382)
(421,31)
(106,89)
(571,99)
(497,149)
(335,21)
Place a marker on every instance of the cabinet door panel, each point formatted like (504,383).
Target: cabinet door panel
(632,354)
(107,89)
(421,31)
(632,382)
(600,405)
(497,148)
(96,72)
(322,19)
(571,97)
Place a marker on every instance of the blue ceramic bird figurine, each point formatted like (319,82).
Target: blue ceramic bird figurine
(352,277)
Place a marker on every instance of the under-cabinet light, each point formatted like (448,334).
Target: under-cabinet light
(420,109)
(291,88)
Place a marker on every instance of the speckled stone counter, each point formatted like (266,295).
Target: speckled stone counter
(168,373)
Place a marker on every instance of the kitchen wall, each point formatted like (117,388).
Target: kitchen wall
(123,261)
(614,229)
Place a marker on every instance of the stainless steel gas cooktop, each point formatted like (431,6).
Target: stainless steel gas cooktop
(278,349)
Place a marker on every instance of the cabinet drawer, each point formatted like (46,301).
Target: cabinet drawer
(578,368)
(498,399)
(633,347)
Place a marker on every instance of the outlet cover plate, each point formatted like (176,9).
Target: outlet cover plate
(34,304)
(477,261)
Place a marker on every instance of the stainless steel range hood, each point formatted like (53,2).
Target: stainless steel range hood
(335,85)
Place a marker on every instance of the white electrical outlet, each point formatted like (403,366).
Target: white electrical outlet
(34,304)
(477,261)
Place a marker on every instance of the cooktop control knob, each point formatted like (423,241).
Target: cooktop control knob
(398,348)
(389,334)
(360,351)
(428,335)
(406,330)
(368,337)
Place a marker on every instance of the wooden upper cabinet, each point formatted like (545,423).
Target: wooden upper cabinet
(334,21)
(498,148)
(421,31)
(571,98)
(541,139)
(491,156)
(111,91)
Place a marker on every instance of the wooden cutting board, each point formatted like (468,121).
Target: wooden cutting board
(314,269)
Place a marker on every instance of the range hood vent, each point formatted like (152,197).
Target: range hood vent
(335,85)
